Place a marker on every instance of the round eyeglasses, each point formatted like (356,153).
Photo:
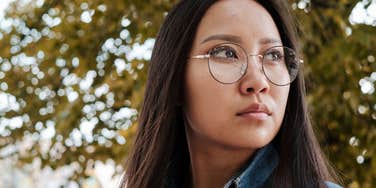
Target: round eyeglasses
(228,63)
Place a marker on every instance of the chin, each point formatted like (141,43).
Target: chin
(258,141)
(248,144)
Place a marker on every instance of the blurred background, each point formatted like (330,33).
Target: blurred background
(72,76)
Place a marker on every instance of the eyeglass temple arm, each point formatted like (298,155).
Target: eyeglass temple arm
(200,56)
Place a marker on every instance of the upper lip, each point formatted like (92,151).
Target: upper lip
(255,108)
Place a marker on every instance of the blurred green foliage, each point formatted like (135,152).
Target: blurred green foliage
(340,61)
(77,70)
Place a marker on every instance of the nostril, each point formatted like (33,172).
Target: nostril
(251,90)
(263,90)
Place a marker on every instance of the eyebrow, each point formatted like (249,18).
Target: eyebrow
(225,37)
(270,40)
(237,39)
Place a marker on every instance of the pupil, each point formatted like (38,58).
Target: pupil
(229,54)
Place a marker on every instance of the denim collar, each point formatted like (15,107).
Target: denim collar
(259,169)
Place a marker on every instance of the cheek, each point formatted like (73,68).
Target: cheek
(204,97)
(280,96)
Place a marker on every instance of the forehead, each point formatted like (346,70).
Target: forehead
(243,18)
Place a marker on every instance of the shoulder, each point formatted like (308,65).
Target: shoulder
(332,185)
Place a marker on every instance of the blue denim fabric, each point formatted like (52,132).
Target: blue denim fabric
(258,171)
(256,174)
(332,185)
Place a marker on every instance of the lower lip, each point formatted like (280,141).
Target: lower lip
(255,115)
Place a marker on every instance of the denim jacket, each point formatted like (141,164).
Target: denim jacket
(257,173)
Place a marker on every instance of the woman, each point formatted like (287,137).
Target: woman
(224,102)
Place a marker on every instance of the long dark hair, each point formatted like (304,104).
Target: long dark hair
(160,153)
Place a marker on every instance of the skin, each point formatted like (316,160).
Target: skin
(220,141)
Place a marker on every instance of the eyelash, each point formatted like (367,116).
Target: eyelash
(222,48)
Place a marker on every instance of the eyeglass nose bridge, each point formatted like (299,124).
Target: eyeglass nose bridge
(245,66)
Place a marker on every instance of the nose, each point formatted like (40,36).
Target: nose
(254,80)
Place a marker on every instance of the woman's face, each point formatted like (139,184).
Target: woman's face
(246,114)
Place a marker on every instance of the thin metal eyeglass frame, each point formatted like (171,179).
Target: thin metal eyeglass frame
(261,56)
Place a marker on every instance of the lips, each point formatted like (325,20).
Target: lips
(255,110)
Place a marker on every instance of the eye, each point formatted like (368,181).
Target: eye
(274,55)
(224,52)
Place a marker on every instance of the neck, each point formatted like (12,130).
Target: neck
(212,164)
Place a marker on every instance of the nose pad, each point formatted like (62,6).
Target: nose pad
(258,60)
(243,69)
